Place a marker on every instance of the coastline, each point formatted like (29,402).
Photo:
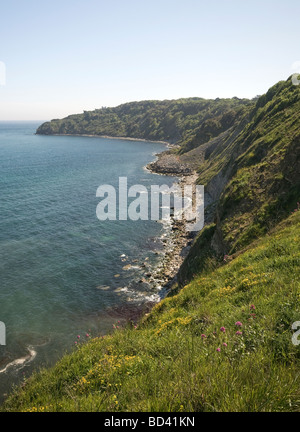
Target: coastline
(161,278)
(111,137)
(178,240)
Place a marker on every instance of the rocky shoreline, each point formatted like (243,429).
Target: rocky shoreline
(178,241)
(107,137)
(170,164)
(161,278)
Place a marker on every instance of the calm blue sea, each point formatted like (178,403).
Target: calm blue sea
(59,264)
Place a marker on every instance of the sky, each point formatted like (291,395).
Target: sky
(61,57)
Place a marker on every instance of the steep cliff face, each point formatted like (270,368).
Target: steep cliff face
(251,177)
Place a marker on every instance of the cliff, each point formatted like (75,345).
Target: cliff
(188,122)
(223,340)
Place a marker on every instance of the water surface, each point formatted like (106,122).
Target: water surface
(58,262)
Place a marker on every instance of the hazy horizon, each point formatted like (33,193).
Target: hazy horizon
(34,120)
(74,56)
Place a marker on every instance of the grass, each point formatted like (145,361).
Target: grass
(186,355)
(252,173)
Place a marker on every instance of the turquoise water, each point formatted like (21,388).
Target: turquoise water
(58,262)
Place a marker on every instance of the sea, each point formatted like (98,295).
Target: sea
(66,276)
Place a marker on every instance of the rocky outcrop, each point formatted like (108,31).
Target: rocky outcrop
(170,164)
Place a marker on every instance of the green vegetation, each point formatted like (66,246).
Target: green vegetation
(222,339)
(251,177)
(190,122)
(223,343)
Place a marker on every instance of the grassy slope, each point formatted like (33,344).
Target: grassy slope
(167,365)
(265,164)
(251,177)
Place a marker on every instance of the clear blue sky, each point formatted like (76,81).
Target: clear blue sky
(63,57)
